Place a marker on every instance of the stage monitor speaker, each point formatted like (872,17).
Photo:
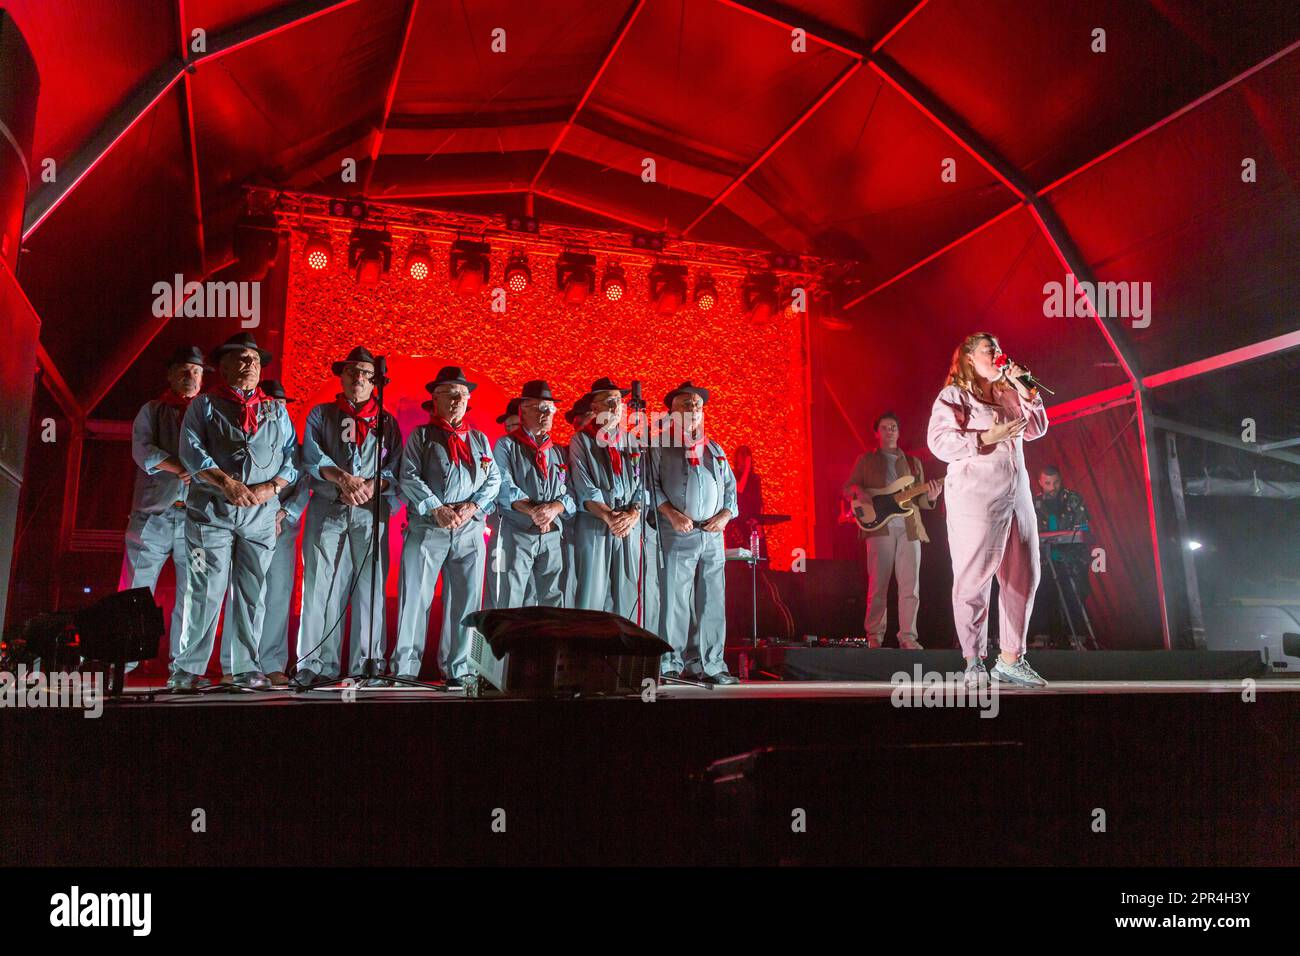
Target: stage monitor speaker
(560,652)
(18,95)
(122,627)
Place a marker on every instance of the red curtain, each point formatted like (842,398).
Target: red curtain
(1100,456)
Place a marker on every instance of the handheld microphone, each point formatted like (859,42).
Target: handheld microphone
(637,402)
(1027,379)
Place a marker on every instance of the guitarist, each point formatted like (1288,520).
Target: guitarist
(894,548)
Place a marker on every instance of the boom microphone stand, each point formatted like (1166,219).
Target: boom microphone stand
(369,669)
(647,495)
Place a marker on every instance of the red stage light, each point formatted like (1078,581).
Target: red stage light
(667,287)
(370,254)
(706,291)
(614,282)
(317,251)
(518,275)
(370,266)
(469,266)
(760,297)
(575,276)
(418,262)
(576,291)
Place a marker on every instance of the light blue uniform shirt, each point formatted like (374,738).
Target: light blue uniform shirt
(427,480)
(323,447)
(211,437)
(521,481)
(699,492)
(593,475)
(155,437)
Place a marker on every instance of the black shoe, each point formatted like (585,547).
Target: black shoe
(182,682)
(723,679)
(452,683)
(305,678)
(666,675)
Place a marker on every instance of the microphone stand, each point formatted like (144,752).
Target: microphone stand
(637,404)
(369,669)
(643,487)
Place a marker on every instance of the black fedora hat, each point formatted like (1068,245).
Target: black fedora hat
(189,355)
(538,389)
(238,341)
(274,389)
(512,408)
(581,407)
(686,388)
(606,385)
(450,375)
(358,354)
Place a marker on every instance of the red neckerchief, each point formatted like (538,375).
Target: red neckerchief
(170,398)
(615,459)
(694,449)
(365,415)
(247,406)
(539,451)
(457,447)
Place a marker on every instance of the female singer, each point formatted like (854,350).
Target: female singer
(977,425)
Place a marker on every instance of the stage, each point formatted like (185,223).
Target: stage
(935,322)
(1184,771)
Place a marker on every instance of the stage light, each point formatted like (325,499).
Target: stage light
(575,276)
(667,287)
(759,297)
(470,265)
(518,276)
(614,282)
(419,263)
(706,291)
(788,309)
(784,262)
(522,224)
(318,252)
(370,254)
(348,209)
(648,241)
(1194,546)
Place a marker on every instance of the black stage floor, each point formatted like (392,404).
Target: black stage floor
(1189,772)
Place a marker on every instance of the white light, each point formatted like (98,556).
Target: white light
(1193,546)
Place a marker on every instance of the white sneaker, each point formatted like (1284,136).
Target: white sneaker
(873,641)
(975,672)
(1018,673)
(909,644)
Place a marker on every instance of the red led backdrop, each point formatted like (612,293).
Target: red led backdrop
(757,375)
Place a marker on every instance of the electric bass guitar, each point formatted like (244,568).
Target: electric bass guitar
(876,507)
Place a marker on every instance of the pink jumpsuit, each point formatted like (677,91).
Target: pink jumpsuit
(992,528)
